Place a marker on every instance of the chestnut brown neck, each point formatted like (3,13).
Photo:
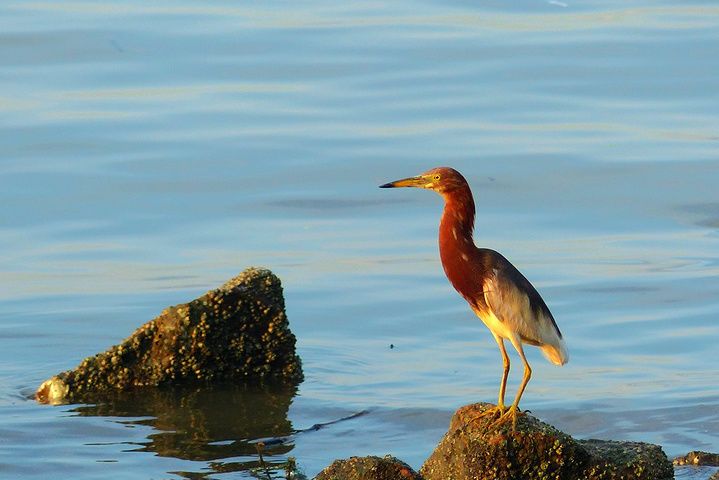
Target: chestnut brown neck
(457,225)
(456,245)
(462,260)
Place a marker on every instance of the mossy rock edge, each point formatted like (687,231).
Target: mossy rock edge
(237,332)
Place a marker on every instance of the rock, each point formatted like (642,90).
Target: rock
(698,458)
(292,472)
(626,460)
(368,468)
(237,332)
(472,449)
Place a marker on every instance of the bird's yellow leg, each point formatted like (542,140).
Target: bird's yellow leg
(505,374)
(513,411)
(500,408)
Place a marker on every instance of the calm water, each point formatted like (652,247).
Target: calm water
(150,151)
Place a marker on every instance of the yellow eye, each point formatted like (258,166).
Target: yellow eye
(437,177)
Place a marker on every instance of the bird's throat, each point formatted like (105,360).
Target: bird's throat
(460,257)
(456,227)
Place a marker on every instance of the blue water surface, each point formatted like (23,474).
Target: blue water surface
(152,150)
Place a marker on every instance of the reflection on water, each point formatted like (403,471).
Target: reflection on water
(208,424)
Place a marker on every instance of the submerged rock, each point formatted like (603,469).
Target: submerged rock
(474,450)
(237,332)
(368,468)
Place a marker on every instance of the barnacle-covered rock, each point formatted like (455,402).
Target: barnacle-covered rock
(237,332)
(368,468)
(474,449)
(615,460)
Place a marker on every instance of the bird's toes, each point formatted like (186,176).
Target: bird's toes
(489,414)
(511,414)
(492,412)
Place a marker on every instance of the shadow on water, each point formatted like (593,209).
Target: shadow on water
(245,423)
(703,214)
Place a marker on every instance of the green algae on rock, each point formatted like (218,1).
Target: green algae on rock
(236,332)
(368,468)
(473,449)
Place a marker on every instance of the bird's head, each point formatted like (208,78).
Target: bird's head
(442,180)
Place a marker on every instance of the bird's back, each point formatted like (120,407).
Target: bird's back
(509,297)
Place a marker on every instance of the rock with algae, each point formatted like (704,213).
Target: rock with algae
(698,458)
(368,468)
(237,332)
(473,449)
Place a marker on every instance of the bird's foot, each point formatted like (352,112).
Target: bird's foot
(512,413)
(490,413)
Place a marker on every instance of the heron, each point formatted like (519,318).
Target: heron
(498,293)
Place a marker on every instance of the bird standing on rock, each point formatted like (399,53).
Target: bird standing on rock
(496,291)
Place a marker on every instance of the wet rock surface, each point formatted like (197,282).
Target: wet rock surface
(474,449)
(236,332)
(368,468)
(626,460)
(698,458)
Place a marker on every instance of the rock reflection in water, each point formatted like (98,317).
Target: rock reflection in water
(209,424)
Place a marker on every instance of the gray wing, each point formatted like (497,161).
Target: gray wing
(516,303)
